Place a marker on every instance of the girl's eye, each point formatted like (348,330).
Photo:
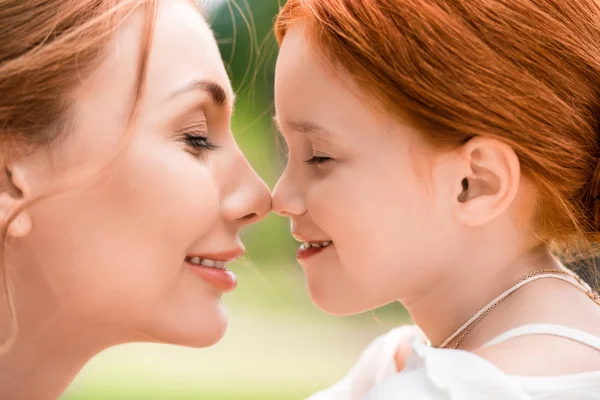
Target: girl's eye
(316,160)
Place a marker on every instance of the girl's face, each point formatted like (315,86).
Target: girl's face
(118,254)
(361,180)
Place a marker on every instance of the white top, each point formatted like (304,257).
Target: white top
(446,374)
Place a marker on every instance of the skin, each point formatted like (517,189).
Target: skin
(104,263)
(443,232)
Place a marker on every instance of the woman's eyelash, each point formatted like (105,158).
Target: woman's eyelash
(315,160)
(198,141)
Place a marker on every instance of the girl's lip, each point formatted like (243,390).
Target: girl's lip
(302,238)
(304,253)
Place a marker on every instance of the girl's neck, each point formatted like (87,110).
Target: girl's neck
(443,307)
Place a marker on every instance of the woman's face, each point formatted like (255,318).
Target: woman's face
(359,180)
(120,253)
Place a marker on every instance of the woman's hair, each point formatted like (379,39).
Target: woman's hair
(526,72)
(47,49)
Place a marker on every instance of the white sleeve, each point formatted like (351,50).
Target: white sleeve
(411,385)
(375,364)
(417,385)
(443,374)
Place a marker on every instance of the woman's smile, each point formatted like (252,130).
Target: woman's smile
(212,268)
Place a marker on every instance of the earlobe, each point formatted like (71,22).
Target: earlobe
(12,198)
(20,226)
(490,181)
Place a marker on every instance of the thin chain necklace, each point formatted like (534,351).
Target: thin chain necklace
(562,274)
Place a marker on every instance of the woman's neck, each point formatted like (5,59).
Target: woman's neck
(484,273)
(41,363)
(49,346)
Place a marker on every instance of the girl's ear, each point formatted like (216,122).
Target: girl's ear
(489,180)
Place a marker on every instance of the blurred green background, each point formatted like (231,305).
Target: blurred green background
(278,345)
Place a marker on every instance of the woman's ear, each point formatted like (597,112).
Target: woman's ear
(489,182)
(14,191)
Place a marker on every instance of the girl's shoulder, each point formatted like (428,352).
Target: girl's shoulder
(436,374)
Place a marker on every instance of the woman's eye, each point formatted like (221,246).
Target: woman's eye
(316,160)
(198,142)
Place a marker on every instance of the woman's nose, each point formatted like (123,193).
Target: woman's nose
(248,197)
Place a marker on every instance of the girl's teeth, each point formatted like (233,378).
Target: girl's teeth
(307,245)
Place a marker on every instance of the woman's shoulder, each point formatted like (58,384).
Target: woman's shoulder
(436,374)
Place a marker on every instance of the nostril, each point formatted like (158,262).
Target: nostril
(249,218)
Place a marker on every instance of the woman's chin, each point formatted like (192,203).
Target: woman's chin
(205,335)
(204,338)
(203,331)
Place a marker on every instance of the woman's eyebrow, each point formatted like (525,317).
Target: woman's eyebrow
(216,91)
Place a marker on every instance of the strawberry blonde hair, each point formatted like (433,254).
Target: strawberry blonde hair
(47,49)
(526,72)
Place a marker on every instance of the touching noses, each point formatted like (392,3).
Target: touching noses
(248,199)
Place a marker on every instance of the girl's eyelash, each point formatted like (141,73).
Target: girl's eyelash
(198,141)
(316,160)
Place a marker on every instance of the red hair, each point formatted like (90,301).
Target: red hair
(525,72)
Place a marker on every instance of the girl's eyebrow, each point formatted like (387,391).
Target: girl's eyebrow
(301,126)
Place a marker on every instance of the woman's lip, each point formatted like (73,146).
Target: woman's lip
(226,256)
(222,279)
